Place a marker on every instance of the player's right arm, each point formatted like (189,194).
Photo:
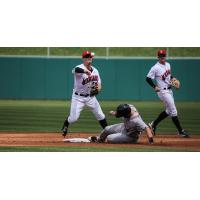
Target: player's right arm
(149,135)
(151,83)
(150,76)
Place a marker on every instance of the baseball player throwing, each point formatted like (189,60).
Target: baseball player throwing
(126,132)
(87,84)
(161,72)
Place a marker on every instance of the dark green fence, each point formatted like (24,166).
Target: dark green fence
(122,79)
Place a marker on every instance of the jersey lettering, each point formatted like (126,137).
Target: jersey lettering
(167,72)
(89,79)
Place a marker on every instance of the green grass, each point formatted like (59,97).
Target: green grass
(92,149)
(100,51)
(76,51)
(23,51)
(48,116)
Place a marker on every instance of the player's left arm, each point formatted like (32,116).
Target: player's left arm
(149,79)
(99,87)
(171,76)
(113,113)
(174,81)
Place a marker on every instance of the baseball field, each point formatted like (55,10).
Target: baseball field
(34,125)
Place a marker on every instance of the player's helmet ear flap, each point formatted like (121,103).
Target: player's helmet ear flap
(123,110)
(161,53)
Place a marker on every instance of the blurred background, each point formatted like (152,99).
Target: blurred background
(45,73)
(106,52)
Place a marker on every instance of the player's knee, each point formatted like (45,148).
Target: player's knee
(111,139)
(100,116)
(107,129)
(173,113)
(72,119)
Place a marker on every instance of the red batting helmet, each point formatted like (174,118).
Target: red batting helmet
(162,53)
(87,54)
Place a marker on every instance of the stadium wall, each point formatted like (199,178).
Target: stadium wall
(122,79)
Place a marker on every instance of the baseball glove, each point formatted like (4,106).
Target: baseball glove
(175,83)
(94,89)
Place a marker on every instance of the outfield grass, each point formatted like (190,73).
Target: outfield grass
(48,116)
(23,51)
(100,51)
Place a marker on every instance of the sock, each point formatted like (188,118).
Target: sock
(66,123)
(160,117)
(103,123)
(177,123)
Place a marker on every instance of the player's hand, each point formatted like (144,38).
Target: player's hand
(157,89)
(87,72)
(150,140)
(113,113)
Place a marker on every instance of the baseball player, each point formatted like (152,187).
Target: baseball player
(87,84)
(126,132)
(161,72)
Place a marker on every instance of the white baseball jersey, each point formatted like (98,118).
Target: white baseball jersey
(162,74)
(82,86)
(83,82)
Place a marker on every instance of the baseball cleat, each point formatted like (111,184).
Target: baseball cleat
(184,134)
(153,129)
(93,139)
(64,131)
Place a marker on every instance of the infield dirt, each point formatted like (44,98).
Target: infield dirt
(55,139)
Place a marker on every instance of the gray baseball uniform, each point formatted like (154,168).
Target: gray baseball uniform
(126,132)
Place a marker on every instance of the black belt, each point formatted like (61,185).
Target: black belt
(167,88)
(83,95)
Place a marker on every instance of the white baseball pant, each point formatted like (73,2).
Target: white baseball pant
(166,96)
(79,102)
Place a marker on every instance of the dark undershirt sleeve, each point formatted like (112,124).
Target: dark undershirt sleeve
(150,82)
(79,70)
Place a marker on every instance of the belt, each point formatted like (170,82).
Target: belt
(167,88)
(83,95)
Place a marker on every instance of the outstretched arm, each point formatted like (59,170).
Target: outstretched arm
(113,113)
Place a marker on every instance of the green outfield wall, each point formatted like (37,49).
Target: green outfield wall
(122,79)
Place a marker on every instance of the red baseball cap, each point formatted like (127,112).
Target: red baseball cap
(87,54)
(162,53)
